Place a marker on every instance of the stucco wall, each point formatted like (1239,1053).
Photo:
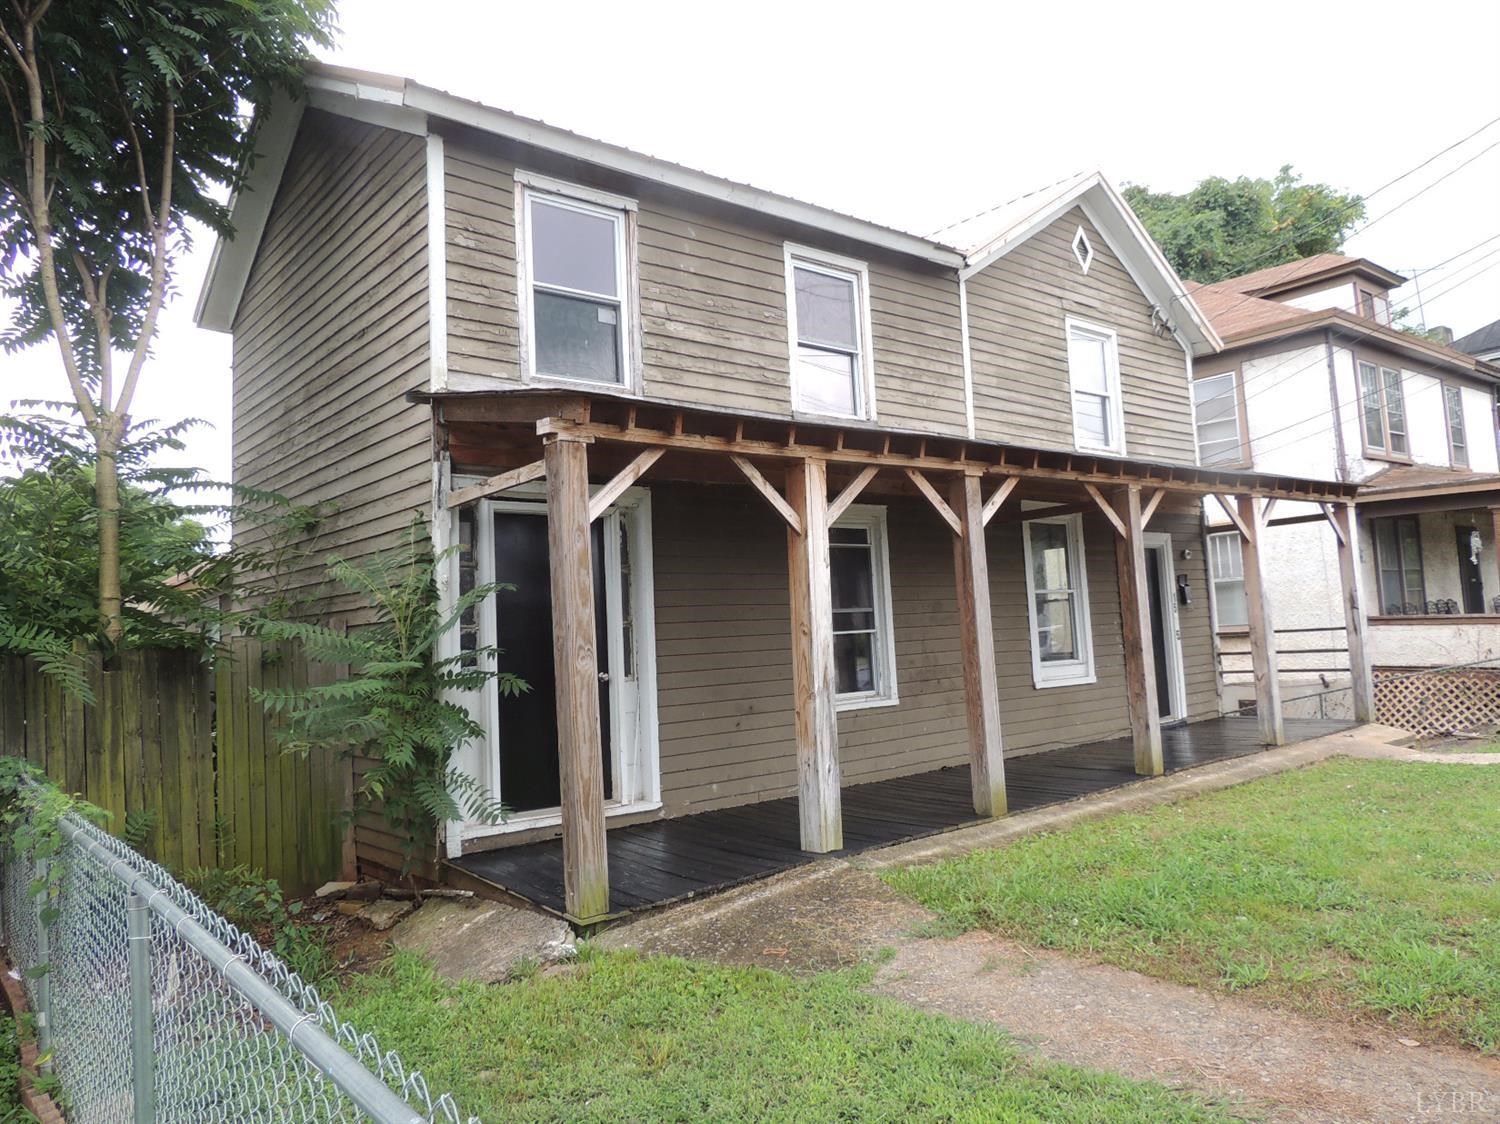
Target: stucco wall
(1289,413)
(1425,644)
(1335,296)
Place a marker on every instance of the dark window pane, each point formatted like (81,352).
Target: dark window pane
(1055,627)
(854,662)
(577,338)
(573,249)
(825,310)
(850,535)
(853,620)
(1049,556)
(852,577)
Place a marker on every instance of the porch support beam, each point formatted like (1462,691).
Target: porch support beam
(995,502)
(627,476)
(579,743)
(977,635)
(1109,512)
(1135,618)
(1252,526)
(772,496)
(819,801)
(1361,678)
(939,505)
(1235,514)
(1151,505)
(851,493)
(497,484)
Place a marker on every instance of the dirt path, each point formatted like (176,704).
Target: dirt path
(1275,1065)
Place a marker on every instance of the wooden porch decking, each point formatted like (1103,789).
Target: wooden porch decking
(651,864)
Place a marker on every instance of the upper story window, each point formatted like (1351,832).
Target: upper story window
(1383,411)
(828,321)
(1374,306)
(1226,575)
(576,270)
(864,657)
(1458,444)
(1094,375)
(1216,405)
(1057,602)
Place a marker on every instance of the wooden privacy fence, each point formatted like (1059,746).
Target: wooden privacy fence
(184,760)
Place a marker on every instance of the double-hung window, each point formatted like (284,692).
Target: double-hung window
(1226,573)
(1458,444)
(1094,377)
(1383,410)
(576,303)
(1398,562)
(1216,405)
(1058,602)
(828,315)
(864,658)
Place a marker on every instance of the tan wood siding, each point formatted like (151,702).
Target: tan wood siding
(723,649)
(712,298)
(330,335)
(1020,356)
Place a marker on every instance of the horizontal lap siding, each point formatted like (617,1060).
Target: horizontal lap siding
(713,305)
(1019,347)
(331,333)
(724,662)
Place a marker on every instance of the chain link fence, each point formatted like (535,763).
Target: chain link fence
(152,1007)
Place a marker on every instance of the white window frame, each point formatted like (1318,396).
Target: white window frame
(1111,340)
(850,269)
(1456,393)
(872,518)
(1239,458)
(1072,672)
(622,212)
(1213,583)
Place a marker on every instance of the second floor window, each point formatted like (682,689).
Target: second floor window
(1094,376)
(1217,406)
(575,302)
(1383,410)
(1458,444)
(829,330)
(1226,573)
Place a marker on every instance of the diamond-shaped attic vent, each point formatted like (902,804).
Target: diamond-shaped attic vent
(1082,250)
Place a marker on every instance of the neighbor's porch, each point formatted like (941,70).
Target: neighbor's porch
(653,864)
(585,452)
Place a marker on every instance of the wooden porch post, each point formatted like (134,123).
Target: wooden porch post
(1361,679)
(977,634)
(813,684)
(1262,635)
(1135,627)
(579,745)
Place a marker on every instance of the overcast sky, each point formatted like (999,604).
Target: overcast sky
(918,114)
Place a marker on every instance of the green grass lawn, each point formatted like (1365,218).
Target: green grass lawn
(624,1037)
(1370,887)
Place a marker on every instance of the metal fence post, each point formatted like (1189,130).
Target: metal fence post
(143,1061)
(44,960)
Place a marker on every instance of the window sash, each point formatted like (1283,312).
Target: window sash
(1458,445)
(1217,402)
(861,611)
(1226,573)
(1395,410)
(1094,379)
(1398,563)
(810,369)
(615,303)
(1068,590)
(1382,396)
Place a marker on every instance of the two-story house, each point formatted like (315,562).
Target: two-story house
(1314,379)
(821,534)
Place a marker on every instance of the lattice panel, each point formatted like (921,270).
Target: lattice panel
(1439,702)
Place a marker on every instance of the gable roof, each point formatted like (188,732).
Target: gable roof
(1308,271)
(1481,341)
(402,104)
(1233,312)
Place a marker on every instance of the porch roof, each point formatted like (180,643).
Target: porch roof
(1434,487)
(612,418)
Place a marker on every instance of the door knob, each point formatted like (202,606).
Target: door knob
(604,677)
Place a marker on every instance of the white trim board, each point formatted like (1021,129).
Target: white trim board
(437,267)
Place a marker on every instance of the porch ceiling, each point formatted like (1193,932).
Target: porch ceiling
(493,430)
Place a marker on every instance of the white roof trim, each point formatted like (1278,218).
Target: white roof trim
(1125,235)
(249,208)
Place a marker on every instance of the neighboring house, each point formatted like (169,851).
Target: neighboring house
(1482,343)
(1313,379)
(791,501)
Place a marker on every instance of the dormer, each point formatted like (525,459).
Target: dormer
(1355,285)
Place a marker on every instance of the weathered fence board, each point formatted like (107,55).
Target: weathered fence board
(176,748)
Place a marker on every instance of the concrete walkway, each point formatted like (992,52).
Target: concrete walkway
(1285,1067)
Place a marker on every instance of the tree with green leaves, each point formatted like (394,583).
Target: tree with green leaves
(1225,228)
(125,124)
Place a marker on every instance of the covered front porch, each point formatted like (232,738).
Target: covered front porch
(653,864)
(999,558)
